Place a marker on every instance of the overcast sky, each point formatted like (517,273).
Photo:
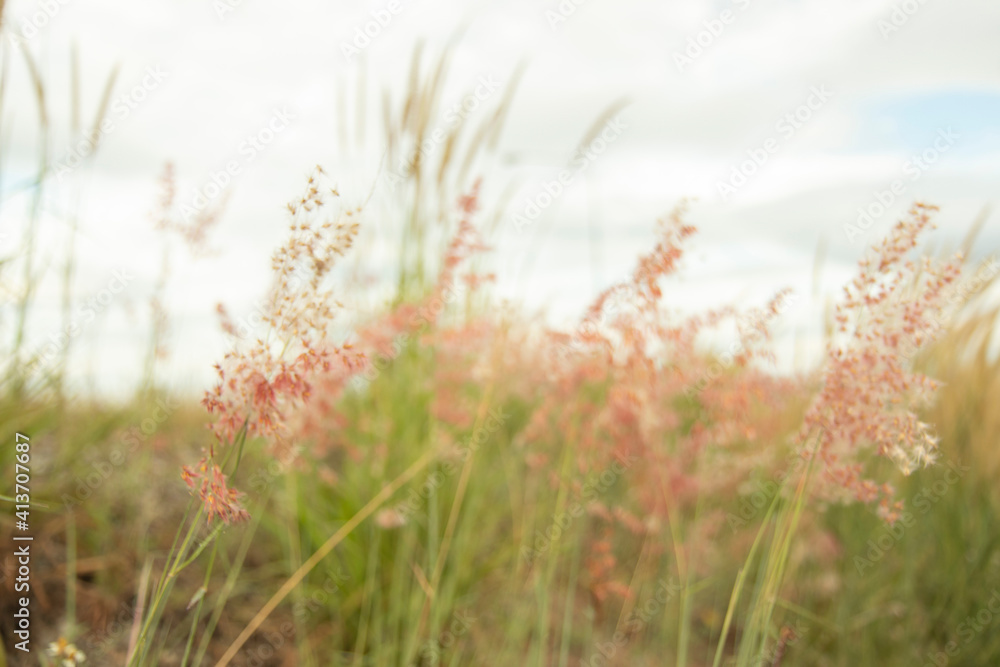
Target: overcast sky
(782,117)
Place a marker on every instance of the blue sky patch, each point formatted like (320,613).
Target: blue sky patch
(910,123)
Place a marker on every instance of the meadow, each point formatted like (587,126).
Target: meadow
(450,480)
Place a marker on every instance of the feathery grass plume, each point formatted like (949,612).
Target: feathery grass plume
(407,324)
(639,405)
(867,400)
(262,386)
(964,359)
(870,390)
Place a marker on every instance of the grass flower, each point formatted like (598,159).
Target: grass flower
(264,384)
(65,654)
(218,500)
(870,391)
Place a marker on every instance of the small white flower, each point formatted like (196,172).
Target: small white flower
(70,654)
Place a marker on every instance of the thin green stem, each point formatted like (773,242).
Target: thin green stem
(201,601)
(160,596)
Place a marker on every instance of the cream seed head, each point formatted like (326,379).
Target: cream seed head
(264,384)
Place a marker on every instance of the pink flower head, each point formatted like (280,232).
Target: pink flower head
(218,500)
(869,388)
